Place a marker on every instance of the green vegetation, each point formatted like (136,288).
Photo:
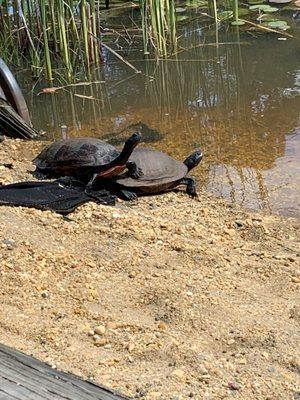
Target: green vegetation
(61,38)
(158,25)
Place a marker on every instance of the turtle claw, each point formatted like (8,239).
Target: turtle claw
(128,195)
(138,173)
(135,172)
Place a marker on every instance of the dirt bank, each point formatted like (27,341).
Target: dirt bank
(189,298)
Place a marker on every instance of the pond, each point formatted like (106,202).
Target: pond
(239,102)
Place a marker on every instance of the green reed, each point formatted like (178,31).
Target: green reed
(235,9)
(158,26)
(50,35)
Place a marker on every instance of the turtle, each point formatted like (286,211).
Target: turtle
(87,159)
(161,173)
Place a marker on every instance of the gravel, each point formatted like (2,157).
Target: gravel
(163,298)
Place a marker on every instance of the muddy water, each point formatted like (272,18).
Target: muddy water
(239,102)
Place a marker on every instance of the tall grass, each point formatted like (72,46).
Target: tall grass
(50,34)
(158,26)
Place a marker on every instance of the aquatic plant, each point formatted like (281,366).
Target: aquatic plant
(50,34)
(159,26)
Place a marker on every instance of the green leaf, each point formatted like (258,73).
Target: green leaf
(180,9)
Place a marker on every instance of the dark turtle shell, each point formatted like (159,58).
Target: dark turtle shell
(71,154)
(87,159)
(160,171)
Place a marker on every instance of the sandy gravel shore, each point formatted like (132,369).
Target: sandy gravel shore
(162,298)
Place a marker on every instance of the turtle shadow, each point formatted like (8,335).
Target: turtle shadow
(149,135)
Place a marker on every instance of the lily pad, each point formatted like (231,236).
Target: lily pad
(237,23)
(180,9)
(181,17)
(266,18)
(280,1)
(196,3)
(263,8)
(256,1)
(225,14)
(278,25)
(243,11)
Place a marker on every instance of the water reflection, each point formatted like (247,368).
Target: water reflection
(239,102)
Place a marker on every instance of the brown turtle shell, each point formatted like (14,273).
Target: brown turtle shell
(160,171)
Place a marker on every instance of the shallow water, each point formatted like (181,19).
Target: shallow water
(239,102)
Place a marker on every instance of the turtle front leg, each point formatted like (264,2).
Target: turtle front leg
(134,171)
(190,186)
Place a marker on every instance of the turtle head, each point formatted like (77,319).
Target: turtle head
(134,139)
(193,160)
(129,146)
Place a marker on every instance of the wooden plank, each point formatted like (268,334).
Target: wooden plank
(24,377)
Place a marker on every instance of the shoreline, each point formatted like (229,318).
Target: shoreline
(192,298)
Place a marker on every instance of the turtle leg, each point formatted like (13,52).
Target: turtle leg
(190,186)
(69,181)
(127,194)
(102,196)
(134,171)
(92,181)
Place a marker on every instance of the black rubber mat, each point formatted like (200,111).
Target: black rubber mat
(57,196)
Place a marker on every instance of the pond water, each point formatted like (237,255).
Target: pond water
(239,102)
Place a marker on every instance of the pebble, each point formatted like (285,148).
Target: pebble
(100,330)
(178,373)
(205,378)
(202,370)
(8,243)
(230,341)
(233,386)
(130,347)
(155,395)
(295,279)
(238,223)
(100,342)
(162,326)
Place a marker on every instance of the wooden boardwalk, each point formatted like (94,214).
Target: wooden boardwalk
(25,378)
